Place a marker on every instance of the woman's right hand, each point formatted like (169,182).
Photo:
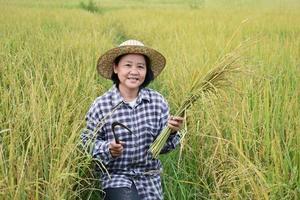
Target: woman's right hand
(116,149)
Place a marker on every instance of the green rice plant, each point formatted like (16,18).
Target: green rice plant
(212,84)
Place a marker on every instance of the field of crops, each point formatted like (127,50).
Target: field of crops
(243,144)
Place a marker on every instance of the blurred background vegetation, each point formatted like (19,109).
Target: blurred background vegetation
(243,145)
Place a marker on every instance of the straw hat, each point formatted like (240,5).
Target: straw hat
(106,61)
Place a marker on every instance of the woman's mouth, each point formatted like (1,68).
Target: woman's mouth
(133,78)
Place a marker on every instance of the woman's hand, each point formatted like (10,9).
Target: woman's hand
(116,149)
(175,123)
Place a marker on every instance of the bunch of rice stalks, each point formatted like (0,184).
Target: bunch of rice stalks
(218,79)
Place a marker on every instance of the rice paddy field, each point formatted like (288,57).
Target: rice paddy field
(243,144)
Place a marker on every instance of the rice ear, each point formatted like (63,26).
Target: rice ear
(219,78)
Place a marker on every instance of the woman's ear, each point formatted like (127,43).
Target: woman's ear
(115,68)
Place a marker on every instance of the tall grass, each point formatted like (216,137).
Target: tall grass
(245,146)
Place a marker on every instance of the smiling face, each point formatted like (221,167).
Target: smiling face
(131,71)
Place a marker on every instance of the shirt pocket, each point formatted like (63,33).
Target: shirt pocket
(146,139)
(151,132)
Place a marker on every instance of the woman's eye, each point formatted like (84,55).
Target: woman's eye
(141,67)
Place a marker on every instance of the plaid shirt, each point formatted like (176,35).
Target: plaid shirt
(146,120)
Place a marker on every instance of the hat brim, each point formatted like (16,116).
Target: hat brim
(106,61)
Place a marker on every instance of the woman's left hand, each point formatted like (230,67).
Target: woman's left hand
(175,123)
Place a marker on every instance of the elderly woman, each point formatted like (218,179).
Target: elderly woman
(124,122)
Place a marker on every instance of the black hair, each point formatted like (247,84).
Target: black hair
(149,73)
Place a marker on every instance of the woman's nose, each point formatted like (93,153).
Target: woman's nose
(134,71)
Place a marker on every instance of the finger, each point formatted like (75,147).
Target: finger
(114,152)
(174,128)
(117,148)
(174,123)
(115,145)
(177,118)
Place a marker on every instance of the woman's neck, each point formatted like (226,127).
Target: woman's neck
(128,94)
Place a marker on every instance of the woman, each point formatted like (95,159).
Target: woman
(124,122)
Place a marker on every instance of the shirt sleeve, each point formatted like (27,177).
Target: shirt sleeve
(174,139)
(172,142)
(92,136)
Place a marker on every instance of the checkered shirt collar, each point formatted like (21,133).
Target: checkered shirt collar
(117,98)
